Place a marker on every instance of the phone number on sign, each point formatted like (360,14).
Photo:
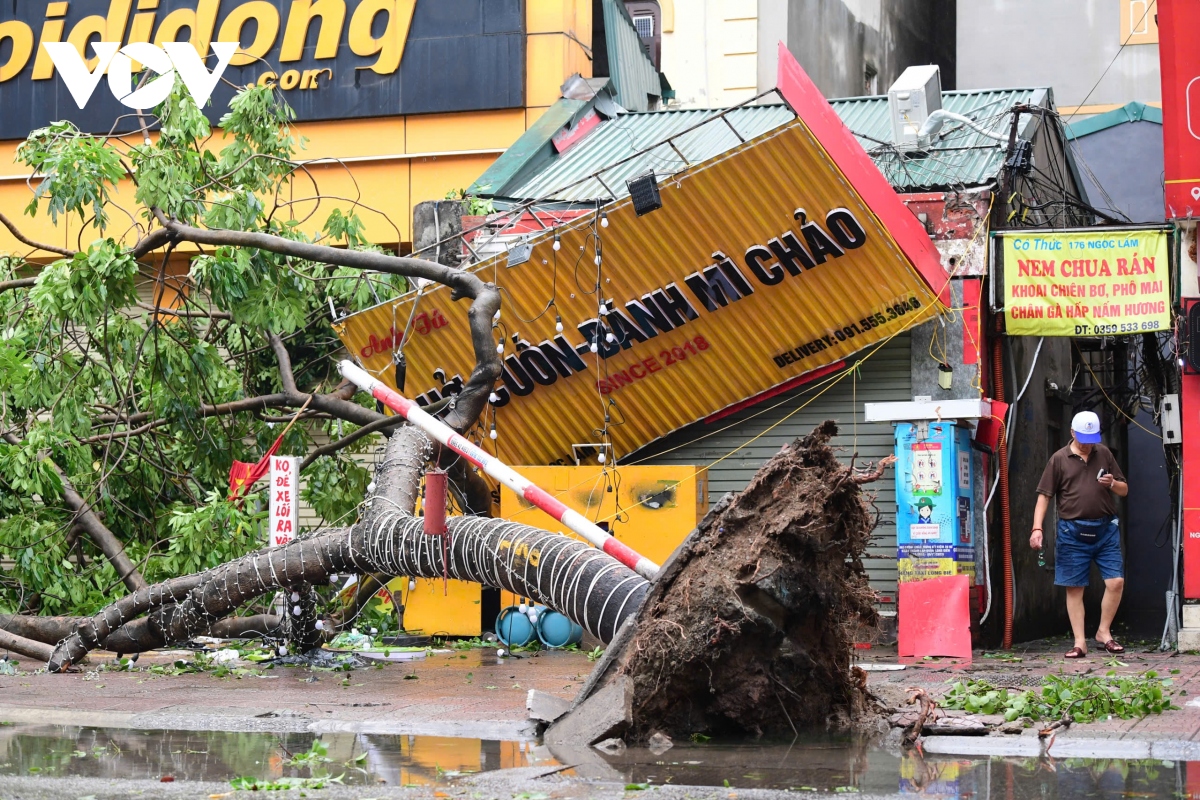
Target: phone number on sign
(882,317)
(644,368)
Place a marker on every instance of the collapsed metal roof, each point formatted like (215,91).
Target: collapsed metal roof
(597,167)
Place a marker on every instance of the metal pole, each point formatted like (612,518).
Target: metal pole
(497,469)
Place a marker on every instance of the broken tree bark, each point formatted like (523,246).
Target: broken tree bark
(748,629)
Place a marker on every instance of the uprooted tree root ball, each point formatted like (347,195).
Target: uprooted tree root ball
(750,627)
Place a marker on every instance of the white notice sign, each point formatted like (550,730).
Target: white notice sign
(285,496)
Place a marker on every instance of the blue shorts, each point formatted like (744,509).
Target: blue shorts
(1080,542)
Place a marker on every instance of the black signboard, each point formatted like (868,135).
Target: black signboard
(331,59)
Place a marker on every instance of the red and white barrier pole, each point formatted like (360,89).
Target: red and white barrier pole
(494,467)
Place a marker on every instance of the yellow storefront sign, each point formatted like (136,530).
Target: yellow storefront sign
(1081,283)
(762,265)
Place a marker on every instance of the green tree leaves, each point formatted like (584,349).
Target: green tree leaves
(85,288)
(80,172)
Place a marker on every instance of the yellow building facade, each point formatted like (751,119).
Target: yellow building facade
(388,163)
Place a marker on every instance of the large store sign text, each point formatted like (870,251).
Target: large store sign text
(333,59)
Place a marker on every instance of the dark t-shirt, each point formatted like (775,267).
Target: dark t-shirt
(1073,482)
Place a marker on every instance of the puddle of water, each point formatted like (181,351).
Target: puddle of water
(827,765)
(218,756)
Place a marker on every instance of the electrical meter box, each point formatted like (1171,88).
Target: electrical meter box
(935,517)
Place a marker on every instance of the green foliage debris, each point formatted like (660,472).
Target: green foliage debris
(1083,698)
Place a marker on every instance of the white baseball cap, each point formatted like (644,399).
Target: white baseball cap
(1086,427)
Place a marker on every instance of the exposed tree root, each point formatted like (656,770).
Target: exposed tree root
(748,629)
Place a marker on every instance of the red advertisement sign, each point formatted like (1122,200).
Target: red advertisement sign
(1178,21)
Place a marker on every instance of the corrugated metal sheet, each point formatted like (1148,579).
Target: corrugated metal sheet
(962,157)
(631,70)
(630,135)
(886,376)
(670,379)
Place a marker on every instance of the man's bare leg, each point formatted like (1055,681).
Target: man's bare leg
(1113,588)
(1075,612)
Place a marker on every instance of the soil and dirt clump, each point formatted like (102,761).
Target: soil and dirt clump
(749,628)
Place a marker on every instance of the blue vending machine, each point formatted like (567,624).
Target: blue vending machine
(935,520)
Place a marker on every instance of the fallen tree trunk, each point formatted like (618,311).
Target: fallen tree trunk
(587,585)
(749,627)
(25,647)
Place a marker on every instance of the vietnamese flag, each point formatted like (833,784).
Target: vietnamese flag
(243,475)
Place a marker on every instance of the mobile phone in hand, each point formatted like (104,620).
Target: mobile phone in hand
(1102,473)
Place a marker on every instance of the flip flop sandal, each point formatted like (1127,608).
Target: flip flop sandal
(1075,652)
(1113,646)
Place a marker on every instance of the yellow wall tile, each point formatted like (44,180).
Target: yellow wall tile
(343,139)
(381,189)
(546,59)
(475,130)
(433,177)
(547,16)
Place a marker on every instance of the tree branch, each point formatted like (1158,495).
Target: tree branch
(23,239)
(19,283)
(378,426)
(484,296)
(25,647)
(179,312)
(286,376)
(105,539)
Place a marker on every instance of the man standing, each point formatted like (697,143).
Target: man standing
(1084,477)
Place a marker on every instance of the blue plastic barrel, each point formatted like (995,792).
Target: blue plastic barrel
(557,630)
(513,628)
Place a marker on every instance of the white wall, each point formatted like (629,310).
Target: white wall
(711,55)
(1064,44)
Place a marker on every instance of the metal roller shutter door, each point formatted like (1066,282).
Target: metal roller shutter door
(885,376)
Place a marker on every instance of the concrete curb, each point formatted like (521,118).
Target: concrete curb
(1063,747)
(500,730)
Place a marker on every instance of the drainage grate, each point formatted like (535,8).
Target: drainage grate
(1007,680)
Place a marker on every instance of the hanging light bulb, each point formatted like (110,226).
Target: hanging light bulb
(493,398)
(493,433)
(500,347)
(524,609)
(603,307)
(319,625)
(296,611)
(603,219)
(412,584)
(557,242)
(558,326)
(598,259)
(283,650)
(600,457)
(595,346)
(496,317)
(610,337)
(333,578)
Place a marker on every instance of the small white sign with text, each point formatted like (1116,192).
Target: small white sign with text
(285,496)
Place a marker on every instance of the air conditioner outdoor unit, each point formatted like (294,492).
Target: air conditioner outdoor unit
(915,95)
